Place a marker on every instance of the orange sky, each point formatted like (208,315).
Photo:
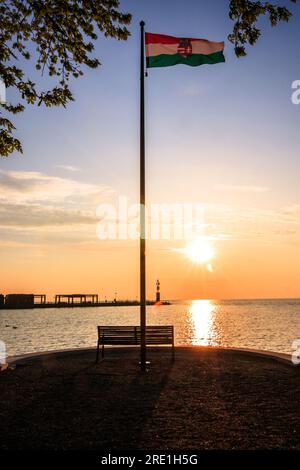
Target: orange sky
(256,255)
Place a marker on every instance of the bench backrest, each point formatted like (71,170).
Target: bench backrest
(126,335)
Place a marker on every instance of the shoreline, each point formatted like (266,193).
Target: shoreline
(136,303)
(283,358)
(123,303)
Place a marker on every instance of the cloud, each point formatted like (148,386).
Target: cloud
(291,211)
(11,244)
(33,200)
(241,188)
(193,89)
(246,223)
(23,215)
(36,208)
(28,187)
(69,168)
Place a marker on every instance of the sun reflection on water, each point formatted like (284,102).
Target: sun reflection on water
(202,322)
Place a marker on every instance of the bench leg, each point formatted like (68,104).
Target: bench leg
(173,345)
(102,351)
(97,356)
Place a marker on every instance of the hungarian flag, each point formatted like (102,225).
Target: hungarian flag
(164,51)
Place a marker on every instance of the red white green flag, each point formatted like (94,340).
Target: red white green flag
(164,51)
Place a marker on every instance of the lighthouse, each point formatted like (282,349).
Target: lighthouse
(157,291)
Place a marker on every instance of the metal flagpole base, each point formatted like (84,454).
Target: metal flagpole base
(147,365)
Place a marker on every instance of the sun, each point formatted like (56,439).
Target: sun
(199,251)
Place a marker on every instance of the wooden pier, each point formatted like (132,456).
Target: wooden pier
(73,299)
(31,301)
(119,303)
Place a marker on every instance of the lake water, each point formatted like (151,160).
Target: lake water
(260,324)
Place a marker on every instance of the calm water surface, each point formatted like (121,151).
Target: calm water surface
(261,324)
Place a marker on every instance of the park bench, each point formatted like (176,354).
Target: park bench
(131,336)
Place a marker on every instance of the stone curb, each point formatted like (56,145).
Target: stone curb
(38,356)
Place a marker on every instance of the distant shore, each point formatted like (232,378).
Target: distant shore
(207,399)
(121,303)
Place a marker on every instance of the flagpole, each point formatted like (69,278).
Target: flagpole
(142,207)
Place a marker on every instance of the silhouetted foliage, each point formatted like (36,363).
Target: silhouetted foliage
(62,34)
(246,14)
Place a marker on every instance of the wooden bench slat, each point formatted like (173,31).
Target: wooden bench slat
(131,335)
(130,328)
